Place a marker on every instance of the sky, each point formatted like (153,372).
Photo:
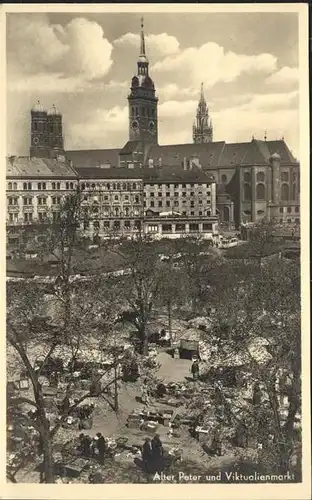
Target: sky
(83,63)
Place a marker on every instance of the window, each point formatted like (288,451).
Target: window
(180,228)
(260,192)
(153,228)
(67,185)
(116,224)
(137,224)
(83,186)
(159,195)
(297,221)
(176,186)
(288,221)
(207,227)
(53,185)
(183,213)
(200,202)
(296,209)
(44,186)
(294,192)
(42,216)
(192,193)
(127,224)
(176,203)
(167,203)
(27,201)
(13,201)
(192,203)
(116,211)
(42,201)
(25,186)
(134,186)
(184,186)
(285,176)
(126,210)
(10,186)
(86,225)
(281,210)
(55,216)
(71,185)
(166,228)
(116,197)
(184,193)
(137,199)
(260,212)
(106,224)
(15,186)
(105,198)
(194,227)
(132,111)
(114,185)
(108,185)
(247,192)
(152,195)
(247,177)
(200,213)
(96,225)
(168,186)
(28,217)
(192,213)
(176,194)
(223,179)
(143,111)
(285,192)
(260,176)
(160,203)
(118,185)
(209,213)
(152,203)
(167,194)
(289,210)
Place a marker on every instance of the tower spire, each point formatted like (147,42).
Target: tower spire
(142,50)
(203,130)
(202,97)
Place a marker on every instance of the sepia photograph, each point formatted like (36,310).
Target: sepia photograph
(153,201)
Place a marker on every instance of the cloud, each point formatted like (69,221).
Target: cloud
(173,91)
(211,64)
(99,130)
(156,45)
(284,76)
(36,47)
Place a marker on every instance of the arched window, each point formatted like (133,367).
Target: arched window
(124,186)
(71,185)
(260,176)
(285,176)
(67,185)
(108,185)
(93,185)
(58,185)
(118,186)
(247,177)
(15,186)
(29,186)
(223,178)
(25,186)
(247,192)
(53,185)
(10,186)
(116,211)
(285,192)
(83,186)
(35,126)
(44,185)
(260,192)
(127,211)
(294,191)
(114,185)
(134,185)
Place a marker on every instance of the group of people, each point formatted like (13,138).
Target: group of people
(96,447)
(153,454)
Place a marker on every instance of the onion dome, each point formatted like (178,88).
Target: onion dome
(54,111)
(38,108)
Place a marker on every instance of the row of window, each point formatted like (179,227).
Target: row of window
(176,194)
(28,217)
(289,210)
(126,198)
(145,111)
(169,203)
(116,224)
(13,201)
(175,186)
(43,126)
(260,192)
(41,186)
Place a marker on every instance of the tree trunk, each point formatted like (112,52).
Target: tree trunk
(170,321)
(116,402)
(48,463)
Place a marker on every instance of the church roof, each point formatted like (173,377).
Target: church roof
(169,174)
(175,154)
(109,173)
(94,157)
(27,167)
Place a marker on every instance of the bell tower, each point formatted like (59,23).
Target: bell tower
(142,99)
(202,129)
(39,146)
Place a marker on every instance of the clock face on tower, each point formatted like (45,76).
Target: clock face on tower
(134,125)
(151,126)
(36,140)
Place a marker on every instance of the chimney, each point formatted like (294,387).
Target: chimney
(184,163)
(195,160)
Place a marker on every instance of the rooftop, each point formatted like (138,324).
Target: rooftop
(25,166)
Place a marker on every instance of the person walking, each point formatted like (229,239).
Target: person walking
(158,453)
(101,445)
(195,369)
(147,455)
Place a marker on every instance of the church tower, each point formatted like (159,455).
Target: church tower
(143,123)
(202,129)
(39,147)
(55,132)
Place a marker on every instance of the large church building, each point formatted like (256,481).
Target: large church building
(193,186)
